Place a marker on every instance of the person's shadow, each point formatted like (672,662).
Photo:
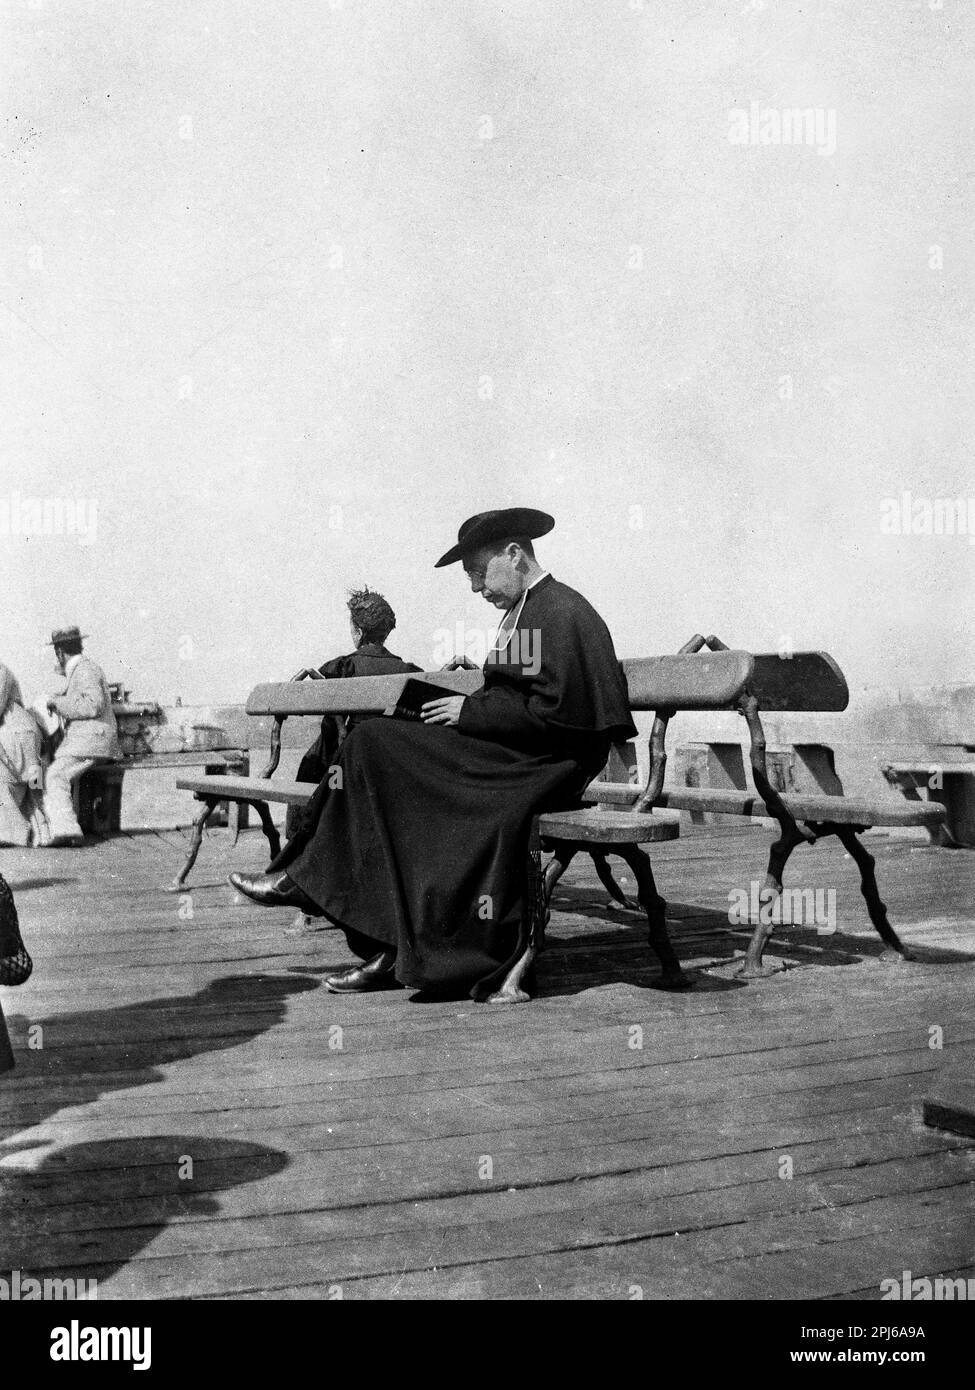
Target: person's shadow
(72,1059)
(85,1211)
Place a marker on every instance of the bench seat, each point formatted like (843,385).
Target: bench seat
(248,789)
(840,810)
(609,827)
(587,825)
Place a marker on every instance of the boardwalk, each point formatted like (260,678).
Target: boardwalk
(203,1120)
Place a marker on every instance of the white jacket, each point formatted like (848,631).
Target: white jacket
(86,708)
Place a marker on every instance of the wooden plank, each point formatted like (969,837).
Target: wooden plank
(142,762)
(845,810)
(305,1247)
(353,695)
(423,1170)
(249,789)
(882,811)
(800,681)
(609,827)
(711,680)
(706,680)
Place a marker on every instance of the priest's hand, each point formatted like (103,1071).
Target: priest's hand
(445,711)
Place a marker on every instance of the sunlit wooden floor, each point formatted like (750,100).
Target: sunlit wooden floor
(203,1120)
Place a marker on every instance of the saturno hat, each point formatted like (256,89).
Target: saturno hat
(60,635)
(496,526)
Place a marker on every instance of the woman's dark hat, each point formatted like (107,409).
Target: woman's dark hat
(61,635)
(497,526)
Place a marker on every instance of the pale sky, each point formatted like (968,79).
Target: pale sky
(291,289)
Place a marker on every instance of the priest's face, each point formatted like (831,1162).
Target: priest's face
(496,574)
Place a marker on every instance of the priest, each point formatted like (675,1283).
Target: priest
(419,851)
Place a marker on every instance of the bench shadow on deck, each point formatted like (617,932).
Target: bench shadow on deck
(203,1120)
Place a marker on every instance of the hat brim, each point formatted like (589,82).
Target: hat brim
(79,637)
(517,521)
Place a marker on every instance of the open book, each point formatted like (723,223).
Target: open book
(413,697)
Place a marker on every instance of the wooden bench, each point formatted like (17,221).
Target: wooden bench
(710,681)
(97,794)
(619,817)
(805,681)
(950,781)
(686,681)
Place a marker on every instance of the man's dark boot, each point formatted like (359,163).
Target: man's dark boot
(274,890)
(374,974)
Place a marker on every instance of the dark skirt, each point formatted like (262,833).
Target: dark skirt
(424,847)
(314,766)
(15,964)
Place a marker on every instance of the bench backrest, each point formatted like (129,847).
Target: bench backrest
(704,680)
(711,680)
(354,695)
(803,681)
(698,681)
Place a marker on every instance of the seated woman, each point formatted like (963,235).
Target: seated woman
(21,768)
(371,620)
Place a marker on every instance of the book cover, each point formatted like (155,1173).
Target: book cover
(413,697)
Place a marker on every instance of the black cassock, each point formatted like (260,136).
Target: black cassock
(424,846)
(371,659)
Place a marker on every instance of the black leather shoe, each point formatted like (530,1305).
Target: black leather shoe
(375,974)
(274,890)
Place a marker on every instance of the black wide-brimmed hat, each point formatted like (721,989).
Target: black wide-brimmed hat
(497,526)
(61,635)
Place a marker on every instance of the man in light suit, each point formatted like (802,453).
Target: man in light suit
(90,732)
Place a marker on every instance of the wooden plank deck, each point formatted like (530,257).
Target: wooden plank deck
(204,1120)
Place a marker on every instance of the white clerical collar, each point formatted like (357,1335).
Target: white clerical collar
(510,620)
(70,664)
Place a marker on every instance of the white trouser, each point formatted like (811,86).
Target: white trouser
(61,777)
(19,810)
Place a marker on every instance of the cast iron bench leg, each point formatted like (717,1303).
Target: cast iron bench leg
(672,976)
(790,835)
(865,862)
(753,967)
(199,825)
(606,878)
(269,828)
